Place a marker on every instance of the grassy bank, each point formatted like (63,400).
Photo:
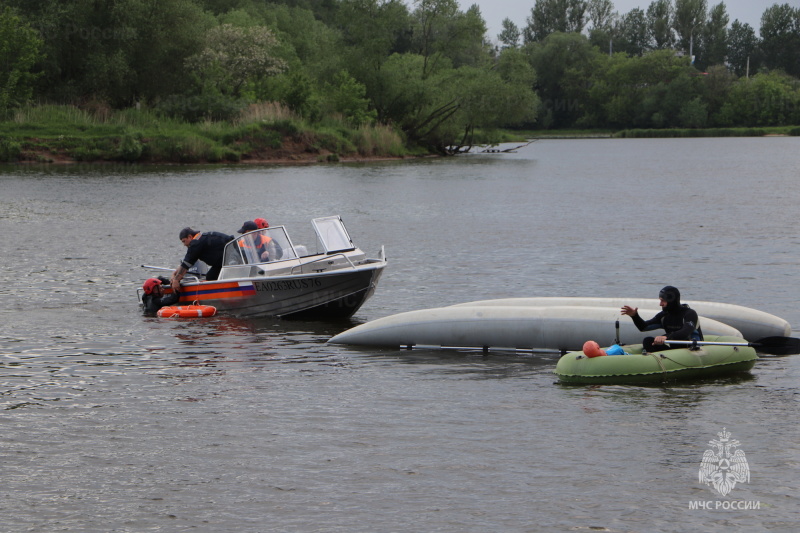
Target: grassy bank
(263,132)
(708,132)
(653,133)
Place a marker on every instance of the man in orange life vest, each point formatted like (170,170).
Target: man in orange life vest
(154,297)
(207,247)
(265,245)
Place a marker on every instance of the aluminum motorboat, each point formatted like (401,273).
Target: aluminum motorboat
(265,274)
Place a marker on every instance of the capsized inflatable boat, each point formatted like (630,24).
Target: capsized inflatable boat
(752,323)
(559,328)
(635,366)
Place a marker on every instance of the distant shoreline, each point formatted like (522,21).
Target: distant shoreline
(179,150)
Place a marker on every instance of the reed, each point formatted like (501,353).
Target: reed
(265,112)
(54,114)
(378,140)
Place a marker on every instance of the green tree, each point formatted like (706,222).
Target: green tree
(431,20)
(693,114)
(768,99)
(467,45)
(348,97)
(372,30)
(780,38)
(603,20)
(715,36)
(402,89)
(235,56)
(689,17)
(299,92)
(441,109)
(562,63)
(312,51)
(600,14)
(489,99)
(19,52)
(643,92)
(442,31)
(552,16)
(659,24)
(219,7)
(631,33)
(743,48)
(162,34)
(120,51)
(510,36)
(717,84)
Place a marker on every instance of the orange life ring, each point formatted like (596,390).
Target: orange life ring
(187,311)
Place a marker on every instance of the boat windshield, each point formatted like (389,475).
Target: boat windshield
(260,246)
(332,234)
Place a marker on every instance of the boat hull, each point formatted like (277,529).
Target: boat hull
(559,328)
(657,367)
(335,294)
(752,323)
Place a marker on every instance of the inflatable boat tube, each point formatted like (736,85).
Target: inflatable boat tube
(752,323)
(560,328)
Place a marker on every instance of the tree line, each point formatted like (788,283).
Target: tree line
(427,69)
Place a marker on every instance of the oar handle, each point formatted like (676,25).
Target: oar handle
(771,345)
(713,343)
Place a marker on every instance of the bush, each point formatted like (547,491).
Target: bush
(10,150)
(694,114)
(333,141)
(130,149)
(202,107)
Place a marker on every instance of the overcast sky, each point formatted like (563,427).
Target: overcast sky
(494,11)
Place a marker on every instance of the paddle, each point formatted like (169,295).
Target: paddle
(770,345)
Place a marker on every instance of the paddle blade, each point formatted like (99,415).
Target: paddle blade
(778,345)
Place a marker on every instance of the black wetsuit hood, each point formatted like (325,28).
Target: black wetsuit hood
(672,296)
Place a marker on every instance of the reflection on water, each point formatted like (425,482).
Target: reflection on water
(117,421)
(465,364)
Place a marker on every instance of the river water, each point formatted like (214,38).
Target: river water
(113,421)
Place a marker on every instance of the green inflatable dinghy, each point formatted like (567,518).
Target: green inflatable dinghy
(692,362)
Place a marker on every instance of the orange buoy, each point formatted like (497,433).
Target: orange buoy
(187,311)
(592,349)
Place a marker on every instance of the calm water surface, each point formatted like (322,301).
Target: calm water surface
(112,421)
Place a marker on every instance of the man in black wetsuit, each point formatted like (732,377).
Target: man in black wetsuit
(154,297)
(207,246)
(680,322)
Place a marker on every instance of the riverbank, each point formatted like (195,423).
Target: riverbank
(265,134)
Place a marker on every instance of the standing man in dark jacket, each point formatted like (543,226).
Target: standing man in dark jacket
(207,247)
(680,322)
